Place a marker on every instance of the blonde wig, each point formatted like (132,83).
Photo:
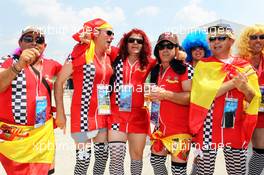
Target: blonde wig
(243,43)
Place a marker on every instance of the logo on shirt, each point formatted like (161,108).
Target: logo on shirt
(172,79)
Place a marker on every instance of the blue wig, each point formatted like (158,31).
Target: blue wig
(195,39)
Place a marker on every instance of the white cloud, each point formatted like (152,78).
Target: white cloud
(64,17)
(194,14)
(60,21)
(148,11)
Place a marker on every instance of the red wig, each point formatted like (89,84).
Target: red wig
(145,52)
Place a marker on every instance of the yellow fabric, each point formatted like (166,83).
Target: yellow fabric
(38,147)
(175,144)
(89,53)
(105,26)
(207,80)
(211,81)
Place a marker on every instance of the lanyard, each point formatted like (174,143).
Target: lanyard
(130,71)
(38,79)
(162,75)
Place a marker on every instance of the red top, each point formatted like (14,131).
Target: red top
(95,121)
(50,69)
(133,75)
(173,117)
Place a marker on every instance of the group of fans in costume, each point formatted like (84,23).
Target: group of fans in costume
(200,97)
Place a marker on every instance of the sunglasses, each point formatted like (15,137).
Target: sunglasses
(255,37)
(197,48)
(109,33)
(30,39)
(168,46)
(132,40)
(219,38)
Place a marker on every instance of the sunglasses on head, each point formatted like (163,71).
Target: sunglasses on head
(219,38)
(30,39)
(255,37)
(169,46)
(132,40)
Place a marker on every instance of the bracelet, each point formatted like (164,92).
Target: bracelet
(14,69)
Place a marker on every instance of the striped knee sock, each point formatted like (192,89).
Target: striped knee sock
(158,164)
(117,156)
(101,156)
(256,162)
(178,168)
(136,167)
(82,161)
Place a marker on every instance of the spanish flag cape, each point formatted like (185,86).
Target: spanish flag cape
(208,77)
(30,151)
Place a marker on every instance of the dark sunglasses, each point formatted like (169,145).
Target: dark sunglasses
(30,39)
(110,33)
(255,37)
(132,40)
(219,38)
(197,48)
(168,46)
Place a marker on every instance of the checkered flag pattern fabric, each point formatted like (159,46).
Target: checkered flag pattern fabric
(190,71)
(208,128)
(69,58)
(119,79)
(115,126)
(19,97)
(87,89)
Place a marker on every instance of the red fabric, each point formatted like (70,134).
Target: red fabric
(136,121)
(92,24)
(15,168)
(50,69)
(157,145)
(113,54)
(173,116)
(95,121)
(260,122)
(196,123)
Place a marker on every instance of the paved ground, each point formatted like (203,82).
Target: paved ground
(65,155)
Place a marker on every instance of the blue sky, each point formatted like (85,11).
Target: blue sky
(61,18)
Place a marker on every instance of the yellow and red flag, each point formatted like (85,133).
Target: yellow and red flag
(207,80)
(178,144)
(27,150)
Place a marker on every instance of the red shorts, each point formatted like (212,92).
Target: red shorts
(260,123)
(136,121)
